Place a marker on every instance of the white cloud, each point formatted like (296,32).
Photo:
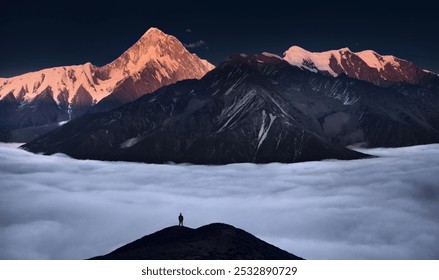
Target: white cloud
(196,44)
(55,207)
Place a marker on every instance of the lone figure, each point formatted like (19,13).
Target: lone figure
(180,220)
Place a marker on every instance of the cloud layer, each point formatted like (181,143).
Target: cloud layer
(55,207)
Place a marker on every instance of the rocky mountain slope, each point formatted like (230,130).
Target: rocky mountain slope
(210,242)
(157,59)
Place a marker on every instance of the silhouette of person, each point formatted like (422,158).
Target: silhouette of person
(180,220)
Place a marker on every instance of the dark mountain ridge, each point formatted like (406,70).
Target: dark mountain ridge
(210,242)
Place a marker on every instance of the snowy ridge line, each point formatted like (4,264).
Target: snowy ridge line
(297,56)
(365,65)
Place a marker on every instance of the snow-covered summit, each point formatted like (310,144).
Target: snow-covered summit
(166,59)
(166,51)
(318,61)
(34,103)
(365,65)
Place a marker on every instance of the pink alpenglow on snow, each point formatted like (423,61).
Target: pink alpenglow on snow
(365,65)
(157,59)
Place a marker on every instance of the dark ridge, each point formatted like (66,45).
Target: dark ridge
(216,241)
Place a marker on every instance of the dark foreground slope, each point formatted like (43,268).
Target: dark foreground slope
(211,242)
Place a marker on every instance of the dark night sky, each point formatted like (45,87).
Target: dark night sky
(41,34)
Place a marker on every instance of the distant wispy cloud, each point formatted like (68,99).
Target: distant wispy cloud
(194,45)
(56,207)
(188,30)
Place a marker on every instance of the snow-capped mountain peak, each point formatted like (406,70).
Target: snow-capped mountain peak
(150,46)
(66,92)
(378,61)
(155,49)
(365,65)
(154,32)
(309,60)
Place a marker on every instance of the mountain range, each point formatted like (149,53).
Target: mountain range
(253,109)
(250,108)
(210,242)
(365,65)
(34,103)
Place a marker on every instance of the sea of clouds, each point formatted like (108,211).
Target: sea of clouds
(56,207)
